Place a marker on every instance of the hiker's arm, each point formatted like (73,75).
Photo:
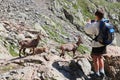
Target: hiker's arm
(90,28)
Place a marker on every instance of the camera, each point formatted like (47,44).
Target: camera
(92,21)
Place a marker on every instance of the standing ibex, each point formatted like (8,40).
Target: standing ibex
(70,47)
(30,43)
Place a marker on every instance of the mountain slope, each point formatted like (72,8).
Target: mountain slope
(62,21)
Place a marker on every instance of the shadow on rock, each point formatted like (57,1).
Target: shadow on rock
(17,58)
(70,70)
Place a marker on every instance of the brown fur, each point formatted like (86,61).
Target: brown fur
(70,47)
(30,43)
(40,50)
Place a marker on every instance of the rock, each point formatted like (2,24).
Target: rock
(23,15)
(11,38)
(4,34)
(33,61)
(36,78)
(113,50)
(20,37)
(85,65)
(13,72)
(115,17)
(28,73)
(28,35)
(4,53)
(76,71)
(39,74)
(54,51)
(46,58)
(39,28)
(64,65)
(73,65)
(68,15)
(1,0)
(62,20)
(42,72)
(22,73)
(2,28)
(112,67)
(7,77)
(117,39)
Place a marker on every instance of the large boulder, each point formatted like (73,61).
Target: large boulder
(85,65)
(112,68)
(112,63)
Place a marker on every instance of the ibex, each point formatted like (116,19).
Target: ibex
(30,43)
(70,47)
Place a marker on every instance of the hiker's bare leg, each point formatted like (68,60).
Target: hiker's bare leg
(96,63)
(101,64)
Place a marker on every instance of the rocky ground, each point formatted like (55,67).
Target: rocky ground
(49,66)
(62,21)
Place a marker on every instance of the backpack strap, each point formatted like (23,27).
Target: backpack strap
(102,24)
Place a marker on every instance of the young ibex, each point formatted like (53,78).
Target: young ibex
(40,50)
(70,47)
(30,43)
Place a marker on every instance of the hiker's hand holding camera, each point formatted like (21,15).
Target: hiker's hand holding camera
(93,21)
(90,21)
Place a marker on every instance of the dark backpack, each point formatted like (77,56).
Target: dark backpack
(106,32)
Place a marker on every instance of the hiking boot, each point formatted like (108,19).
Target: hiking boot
(102,75)
(95,76)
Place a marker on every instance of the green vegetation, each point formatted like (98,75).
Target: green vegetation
(78,9)
(87,8)
(84,4)
(10,47)
(53,34)
(12,50)
(55,30)
(83,49)
(110,6)
(81,11)
(7,68)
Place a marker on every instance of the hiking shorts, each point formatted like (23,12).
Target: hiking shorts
(98,50)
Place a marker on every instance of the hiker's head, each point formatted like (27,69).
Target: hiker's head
(99,14)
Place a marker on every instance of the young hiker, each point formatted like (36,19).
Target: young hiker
(92,28)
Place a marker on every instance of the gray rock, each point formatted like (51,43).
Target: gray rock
(36,78)
(118,39)
(38,27)
(7,77)
(22,73)
(85,65)
(13,72)
(53,51)
(39,74)
(20,37)
(115,17)
(2,28)
(38,17)
(28,35)
(68,15)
